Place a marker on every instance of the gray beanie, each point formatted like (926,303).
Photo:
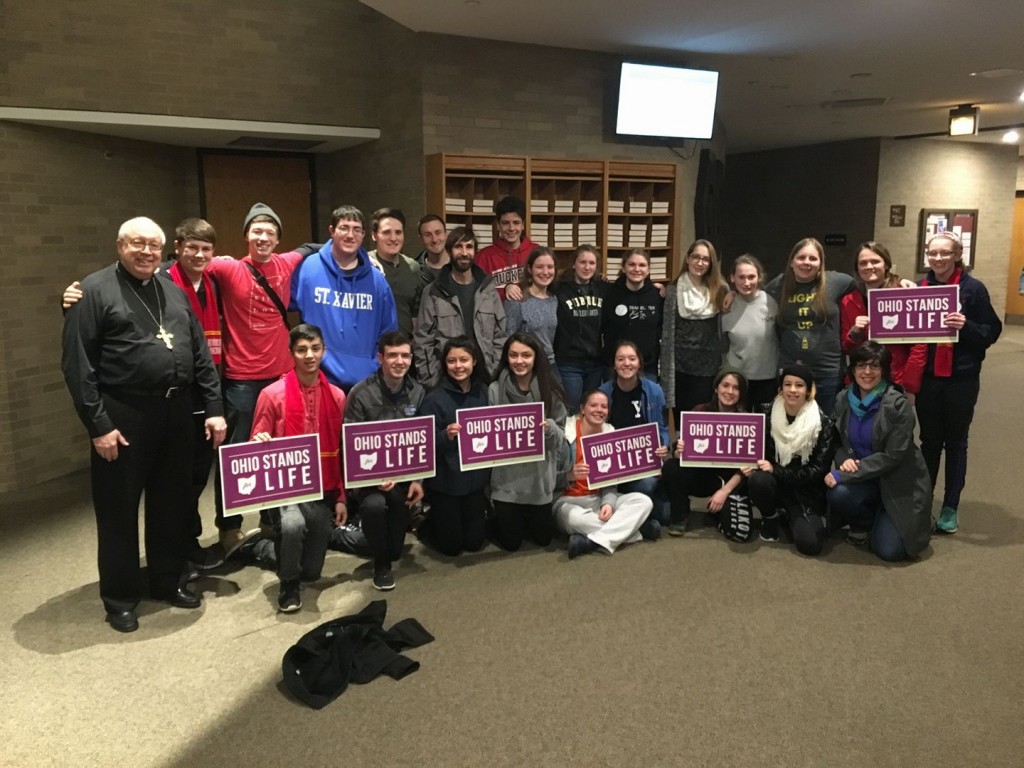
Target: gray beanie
(261,209)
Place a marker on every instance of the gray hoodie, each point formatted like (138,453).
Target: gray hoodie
(533,482)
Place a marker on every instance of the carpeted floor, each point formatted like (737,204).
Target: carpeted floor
(683,652)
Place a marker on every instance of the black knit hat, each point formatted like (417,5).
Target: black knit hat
(799,370)
(261,209)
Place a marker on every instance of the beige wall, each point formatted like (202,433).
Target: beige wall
(929,173)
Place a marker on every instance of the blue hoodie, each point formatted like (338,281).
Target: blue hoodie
(353,309)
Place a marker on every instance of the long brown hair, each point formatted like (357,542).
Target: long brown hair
(712,284)
(820,303)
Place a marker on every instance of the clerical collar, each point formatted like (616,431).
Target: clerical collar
(121,269)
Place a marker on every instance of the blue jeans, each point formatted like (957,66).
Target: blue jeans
(860,506)
(239,409)
(578,378)
(826,388)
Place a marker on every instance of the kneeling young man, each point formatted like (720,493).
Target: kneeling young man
(390,393)
(303,402)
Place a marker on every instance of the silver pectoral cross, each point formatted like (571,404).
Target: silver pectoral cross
(165,337)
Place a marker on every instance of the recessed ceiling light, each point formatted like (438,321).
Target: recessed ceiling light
(1011,137)
(1022,95)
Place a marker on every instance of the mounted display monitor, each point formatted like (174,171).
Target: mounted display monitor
(666,102)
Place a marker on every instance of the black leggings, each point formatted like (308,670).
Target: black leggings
(455,523)
(945,409)
(514,522)
(806,527)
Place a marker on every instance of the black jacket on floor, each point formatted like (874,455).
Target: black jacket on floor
(356,649)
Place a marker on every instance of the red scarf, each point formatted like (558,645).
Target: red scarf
(330,426)
(942,365)
(208,317)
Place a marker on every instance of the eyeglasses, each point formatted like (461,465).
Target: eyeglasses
(939,254)
(868,366)
(345,229)
(141,245)
(700,259)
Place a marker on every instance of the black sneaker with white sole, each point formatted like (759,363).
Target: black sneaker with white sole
(289,598)
(770,528)
(383,579)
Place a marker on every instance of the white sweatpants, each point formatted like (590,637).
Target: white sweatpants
(578,514)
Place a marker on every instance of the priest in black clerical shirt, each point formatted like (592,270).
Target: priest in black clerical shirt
(131,351)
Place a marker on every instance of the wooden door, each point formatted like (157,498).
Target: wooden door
(232,182)
(1014,301)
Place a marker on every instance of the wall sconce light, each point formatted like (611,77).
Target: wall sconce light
(963,121)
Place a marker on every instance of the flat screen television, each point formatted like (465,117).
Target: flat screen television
(665,102)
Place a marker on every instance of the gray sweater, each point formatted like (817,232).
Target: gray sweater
(532,482)
(538,316)
(748,329)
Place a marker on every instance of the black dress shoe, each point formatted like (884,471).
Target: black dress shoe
(182,597)
(123,621)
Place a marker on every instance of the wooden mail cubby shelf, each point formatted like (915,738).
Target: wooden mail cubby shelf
(614,205)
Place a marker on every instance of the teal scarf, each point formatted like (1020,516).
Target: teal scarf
(860,405)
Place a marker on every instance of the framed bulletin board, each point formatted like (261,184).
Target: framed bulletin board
(961,222)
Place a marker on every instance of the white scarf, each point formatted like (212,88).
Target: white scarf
(693,303)
(798,438)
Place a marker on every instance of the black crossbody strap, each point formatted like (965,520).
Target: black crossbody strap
(259,278)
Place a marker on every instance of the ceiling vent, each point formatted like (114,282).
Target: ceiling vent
(262,142)
(854,103)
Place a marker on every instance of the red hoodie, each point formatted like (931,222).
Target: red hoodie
(504,263)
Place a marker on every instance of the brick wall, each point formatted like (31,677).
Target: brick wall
(62,197)
(775,198)
(929,173)
(388,172)
(252,60)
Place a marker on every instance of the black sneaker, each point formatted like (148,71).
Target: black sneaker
(651,529)
(580,545)
(383,579)
(770,528)
(289,599)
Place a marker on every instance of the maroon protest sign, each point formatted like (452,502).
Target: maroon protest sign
(912,315)
(258,475)
(621,456)
(378,452)
(500,434)
(712,439)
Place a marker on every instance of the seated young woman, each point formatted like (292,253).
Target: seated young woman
(635,398)
(788,484)
(881,488)
(522,494)
(598,520)
(457,502)
(721,485)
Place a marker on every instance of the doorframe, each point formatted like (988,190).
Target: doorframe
(307,156)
